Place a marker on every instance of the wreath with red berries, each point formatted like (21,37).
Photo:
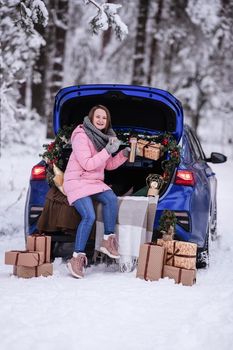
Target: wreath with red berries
(53,153)
(170,145)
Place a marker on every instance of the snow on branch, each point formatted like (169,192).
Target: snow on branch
(58,23)
(33,12)
(107,17)
(39,12)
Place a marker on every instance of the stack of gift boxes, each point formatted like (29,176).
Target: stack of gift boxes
(172,259)
(34,261)
(150,150)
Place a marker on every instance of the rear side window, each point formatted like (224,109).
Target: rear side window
(186,150)
(196,146)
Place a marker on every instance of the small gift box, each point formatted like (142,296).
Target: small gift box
(141,144)
(186,255)
(150,262)
(150,150)
(188,277)
(24,258)
(40,242)
(170,250)
(183,276)
(169,245)
(36,271)
(172,272)
(179,253)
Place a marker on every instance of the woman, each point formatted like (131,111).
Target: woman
(93,144)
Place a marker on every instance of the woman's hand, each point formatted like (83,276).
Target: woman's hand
(113,145)
(126,151)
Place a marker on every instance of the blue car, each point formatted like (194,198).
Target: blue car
(190,190)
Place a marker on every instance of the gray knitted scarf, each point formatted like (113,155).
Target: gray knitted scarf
(98,138)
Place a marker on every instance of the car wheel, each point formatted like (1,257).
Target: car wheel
(213,227)
(203,253)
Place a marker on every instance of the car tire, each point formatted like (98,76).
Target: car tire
(203,253)
(211,236)
(213,227)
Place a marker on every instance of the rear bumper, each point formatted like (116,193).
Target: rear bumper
(34,205)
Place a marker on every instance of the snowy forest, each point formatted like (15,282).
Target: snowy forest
(183,46)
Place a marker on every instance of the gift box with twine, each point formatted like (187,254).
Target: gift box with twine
(147,149)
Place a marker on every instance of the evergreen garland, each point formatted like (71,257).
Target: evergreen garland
(167,141)
(170,145)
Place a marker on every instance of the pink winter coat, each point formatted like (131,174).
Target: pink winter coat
(84,174)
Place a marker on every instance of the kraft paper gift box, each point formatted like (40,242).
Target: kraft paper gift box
(29,272)
(150,262)
(169,245)
(188,277)
(186,255)
(170,249)
(179,253)
(183,276)
(172,272)
(24,258)
(41,243)
(148,149)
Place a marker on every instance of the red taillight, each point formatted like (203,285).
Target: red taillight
(184,177)
(38,172)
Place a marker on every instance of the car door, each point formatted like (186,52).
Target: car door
(210,174)
(205,188)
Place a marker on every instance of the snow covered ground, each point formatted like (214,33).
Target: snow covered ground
(109,309)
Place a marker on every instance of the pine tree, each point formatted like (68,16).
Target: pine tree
(20,47)
(54,58)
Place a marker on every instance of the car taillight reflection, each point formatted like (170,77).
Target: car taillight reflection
(38,172)
(185,178)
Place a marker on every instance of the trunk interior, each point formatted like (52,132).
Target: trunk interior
(126,111)
(130,176)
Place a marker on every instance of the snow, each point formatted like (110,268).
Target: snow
(40,10)
(109,309)
(206,15)
(107,17)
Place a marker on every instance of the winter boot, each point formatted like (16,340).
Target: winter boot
(110,247)
(76,264)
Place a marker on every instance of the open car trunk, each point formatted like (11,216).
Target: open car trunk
(133,109)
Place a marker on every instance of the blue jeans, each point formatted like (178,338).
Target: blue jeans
(84,207)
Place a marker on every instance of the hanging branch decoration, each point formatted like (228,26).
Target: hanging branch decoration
(168,145)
